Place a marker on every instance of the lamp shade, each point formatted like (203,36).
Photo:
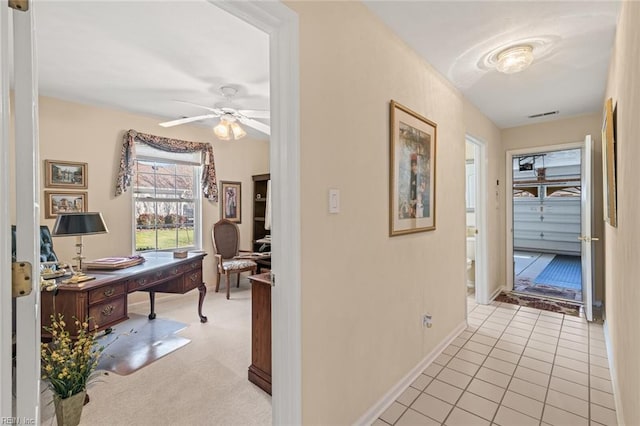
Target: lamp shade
(86,223)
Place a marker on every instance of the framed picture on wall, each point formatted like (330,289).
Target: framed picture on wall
(65,174)
(412,178)
(64,202)
(609,164)
(231,205)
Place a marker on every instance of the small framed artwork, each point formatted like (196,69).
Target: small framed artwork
(412,178)
(65,174)
(609,164)
(231,205)
(64,202)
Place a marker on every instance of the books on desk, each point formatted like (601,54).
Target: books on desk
(114,262)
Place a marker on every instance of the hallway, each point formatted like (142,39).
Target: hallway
(513,366)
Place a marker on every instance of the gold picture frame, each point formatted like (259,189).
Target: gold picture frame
(65,174)
(64,202)
(231,204)
(609,164)
(412,171)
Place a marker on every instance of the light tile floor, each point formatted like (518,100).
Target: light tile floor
(513,366)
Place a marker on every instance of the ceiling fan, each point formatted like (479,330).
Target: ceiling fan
(229,118)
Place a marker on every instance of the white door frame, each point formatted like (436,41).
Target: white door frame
(480,158)
(27,202)
(586,225)
(509,194)
(6,374)
(281,23)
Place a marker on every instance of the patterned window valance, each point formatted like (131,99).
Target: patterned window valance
(128,156)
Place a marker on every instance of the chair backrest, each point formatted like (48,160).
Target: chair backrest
(226,236)
(46,245)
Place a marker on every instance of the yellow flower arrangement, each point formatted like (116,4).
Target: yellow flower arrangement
(68,364)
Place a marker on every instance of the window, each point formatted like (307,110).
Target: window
(166,203)
(569,191)
(525,192)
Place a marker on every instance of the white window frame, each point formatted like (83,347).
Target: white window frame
(197,211)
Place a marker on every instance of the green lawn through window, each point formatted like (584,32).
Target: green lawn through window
(145,238)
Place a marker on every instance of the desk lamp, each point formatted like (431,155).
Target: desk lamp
(78,225)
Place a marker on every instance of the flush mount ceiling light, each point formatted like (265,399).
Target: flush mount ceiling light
(228,127)
(514,59)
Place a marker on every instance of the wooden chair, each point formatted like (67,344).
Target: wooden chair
(226,236)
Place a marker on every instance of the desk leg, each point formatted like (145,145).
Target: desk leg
(152,302)
(203,292)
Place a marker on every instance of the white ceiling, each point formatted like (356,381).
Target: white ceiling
(144,56)
(572,46)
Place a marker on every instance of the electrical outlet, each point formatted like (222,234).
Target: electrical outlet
(427,320)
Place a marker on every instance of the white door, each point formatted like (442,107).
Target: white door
(586,208)
(26,376)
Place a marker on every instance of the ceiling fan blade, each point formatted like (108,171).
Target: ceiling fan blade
(256,125)
(187,120)
(253,113)
(216,110)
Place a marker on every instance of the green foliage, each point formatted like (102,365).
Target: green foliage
(146,219)
(68,364)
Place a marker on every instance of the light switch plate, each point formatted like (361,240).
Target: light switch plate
(334,201)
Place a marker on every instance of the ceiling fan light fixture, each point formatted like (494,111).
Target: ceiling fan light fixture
(238,132)
(514,59)
(222,131)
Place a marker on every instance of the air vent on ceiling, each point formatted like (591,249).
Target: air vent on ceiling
(544,114)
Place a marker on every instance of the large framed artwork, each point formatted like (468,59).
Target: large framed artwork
(64,202)
(231,205)
(609,164)
(65,174)
(412,172)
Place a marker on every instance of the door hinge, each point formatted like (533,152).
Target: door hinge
(21,5)
(272,276)
(20,279)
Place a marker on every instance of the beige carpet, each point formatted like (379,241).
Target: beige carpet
(203,383)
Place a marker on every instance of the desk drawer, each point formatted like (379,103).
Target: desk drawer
(108,312)
(197,265)
(147,280)
(192,280)
(103,293)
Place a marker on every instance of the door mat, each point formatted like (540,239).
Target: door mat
(524,285)
(539,303)
(138,342)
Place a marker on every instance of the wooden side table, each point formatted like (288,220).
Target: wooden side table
(260,368)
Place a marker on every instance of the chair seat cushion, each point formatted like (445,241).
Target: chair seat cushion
(235,264)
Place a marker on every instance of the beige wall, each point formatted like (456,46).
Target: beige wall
(75,132)
(363,292)
(564,131)
(623,242)
(480,127)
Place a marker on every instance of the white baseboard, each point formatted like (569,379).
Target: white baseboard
(379,407)
(496,293)
(614,375)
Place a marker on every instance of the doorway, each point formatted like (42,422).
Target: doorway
(281,25)
(546,204)
(476,220)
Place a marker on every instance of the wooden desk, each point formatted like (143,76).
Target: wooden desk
(260,368)
(104,300)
